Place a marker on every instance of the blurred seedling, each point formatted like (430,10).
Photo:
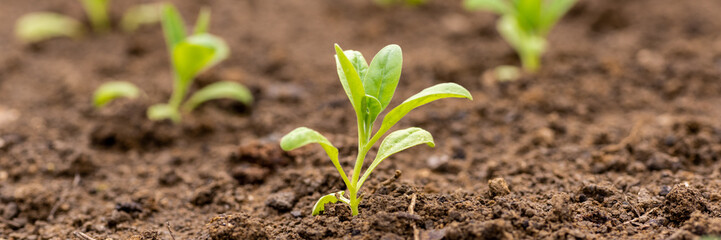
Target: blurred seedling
(190,55)
(370,89)
(524,24)
(40,26)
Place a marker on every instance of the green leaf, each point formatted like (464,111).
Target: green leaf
(163,111)
(303,136)
(140,15)
(443,90)
(350,80)
(497,6)
(112,90)
(553,11)
(383,74)
(203,21)
(320,204)
(196,54)
(373,107)
(528,15)
(359,62)
(173,26)
(219,90)
(41,26)
(97,11)
(398,141)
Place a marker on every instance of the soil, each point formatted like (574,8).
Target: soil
(617,136)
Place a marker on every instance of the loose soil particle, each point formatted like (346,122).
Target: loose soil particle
(617,137)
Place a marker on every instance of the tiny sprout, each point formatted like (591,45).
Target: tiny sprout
(190,56)
(525,24)
(112,90)
(97,11)
(41,26)
(370,89)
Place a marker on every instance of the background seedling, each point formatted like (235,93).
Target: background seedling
(40,26)
(190,56)
(525,24)
(370,89)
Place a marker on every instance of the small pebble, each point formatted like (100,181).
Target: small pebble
(498,187)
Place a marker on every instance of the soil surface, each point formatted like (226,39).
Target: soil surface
(617,137)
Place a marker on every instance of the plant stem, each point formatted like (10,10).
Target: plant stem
(531,61)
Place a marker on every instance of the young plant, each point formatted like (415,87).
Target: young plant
(370,89)
(190,56)
(41,26)
(525,24)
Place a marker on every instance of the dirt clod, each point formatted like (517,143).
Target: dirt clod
(498,187)
(238,226)
(682,201)
(282,201)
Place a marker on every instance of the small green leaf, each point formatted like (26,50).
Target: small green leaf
(196,54)
(97,11)
(219,90)
(359,62)
(350,80)
(140,15)
(112,90)
(163,111)
(553,11)
(173,26)
(398,141)
(383,74)
(374,108)
(497,6)
(40,26)
(303,136)
(203,21)
(320,204)
(443,90)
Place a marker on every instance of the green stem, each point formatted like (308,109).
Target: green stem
(354,202)
(531,61)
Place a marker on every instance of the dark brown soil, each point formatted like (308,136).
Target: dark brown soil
(617,137)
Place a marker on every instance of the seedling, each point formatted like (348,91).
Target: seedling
(525,24)
(190,56)
(41,26)
(370,89)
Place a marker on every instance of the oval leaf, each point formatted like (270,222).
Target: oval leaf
(443,90)
(40,26)
(196,54)
(173,26)
(383,74)
(320,204)
(97,11)
(219,90)
(359,62)
(398,141)
(112,90)
(303,136)
(350,80)
(203,21)
(159,112)
(140,15)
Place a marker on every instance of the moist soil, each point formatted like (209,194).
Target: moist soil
(617,137)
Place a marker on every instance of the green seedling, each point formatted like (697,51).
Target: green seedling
(97,11)
(112,90)
(525,24)
(386,3)
(41,26)
(370,89)
(190,55)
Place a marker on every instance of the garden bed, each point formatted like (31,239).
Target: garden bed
(618,136)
